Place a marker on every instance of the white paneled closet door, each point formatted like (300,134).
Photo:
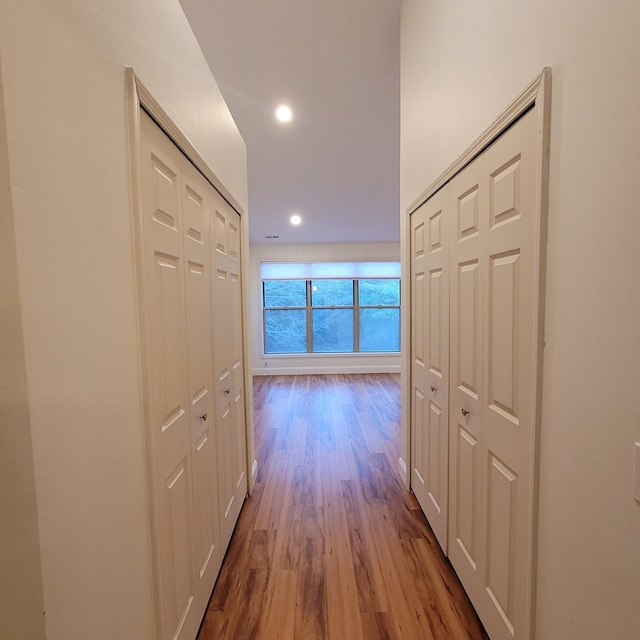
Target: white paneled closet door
(228,360)
(197,197)
(476,254)
(430,361)
(495,249)
(186,441)
(510,354)
(464,195)
(169,397)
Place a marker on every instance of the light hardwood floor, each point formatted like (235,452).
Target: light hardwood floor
(330,544)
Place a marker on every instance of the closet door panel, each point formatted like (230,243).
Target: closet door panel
(510,352)
(502,504)
(237,368)
(504,295)
(197,205)
(468,352)
(467,263)
(419,401)
(170,406)
(179,592)
(228,363)
(464,501)
(208,548)
(167,404)
(430,362)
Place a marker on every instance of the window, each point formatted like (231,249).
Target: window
(379,318)
(331,314)
(285,316)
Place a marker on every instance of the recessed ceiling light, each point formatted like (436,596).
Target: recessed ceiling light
(283,113)
(295,219)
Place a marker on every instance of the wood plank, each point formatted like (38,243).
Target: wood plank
(438,585)
(411,620)
(372,593)
(286,553)
(312,522)
(261,549)
(272,498)
(343,619)
(244,621)
(379,625)
(298,442)
(279,616)
(311,609)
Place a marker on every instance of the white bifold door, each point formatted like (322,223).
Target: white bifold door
(475,248)
(195,428)
(228,361)
(430,361)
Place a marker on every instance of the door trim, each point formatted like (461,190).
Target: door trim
(537,94)
(140,96)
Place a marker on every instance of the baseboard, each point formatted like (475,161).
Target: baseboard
(325,369)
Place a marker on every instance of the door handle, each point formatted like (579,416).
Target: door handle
(227,391)
(203,417)
(465,413)
(432,388)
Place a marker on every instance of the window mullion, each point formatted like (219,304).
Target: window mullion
(356,316)
(309,320)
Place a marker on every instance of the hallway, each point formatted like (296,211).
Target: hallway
(330,544)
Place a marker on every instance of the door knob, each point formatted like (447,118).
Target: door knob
(433,388)
(465,413)
(227,391)
(203,417)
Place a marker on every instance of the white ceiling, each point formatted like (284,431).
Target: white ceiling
(336,63)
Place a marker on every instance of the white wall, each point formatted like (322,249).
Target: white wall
(316,363)
(64,95)
(462,64)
